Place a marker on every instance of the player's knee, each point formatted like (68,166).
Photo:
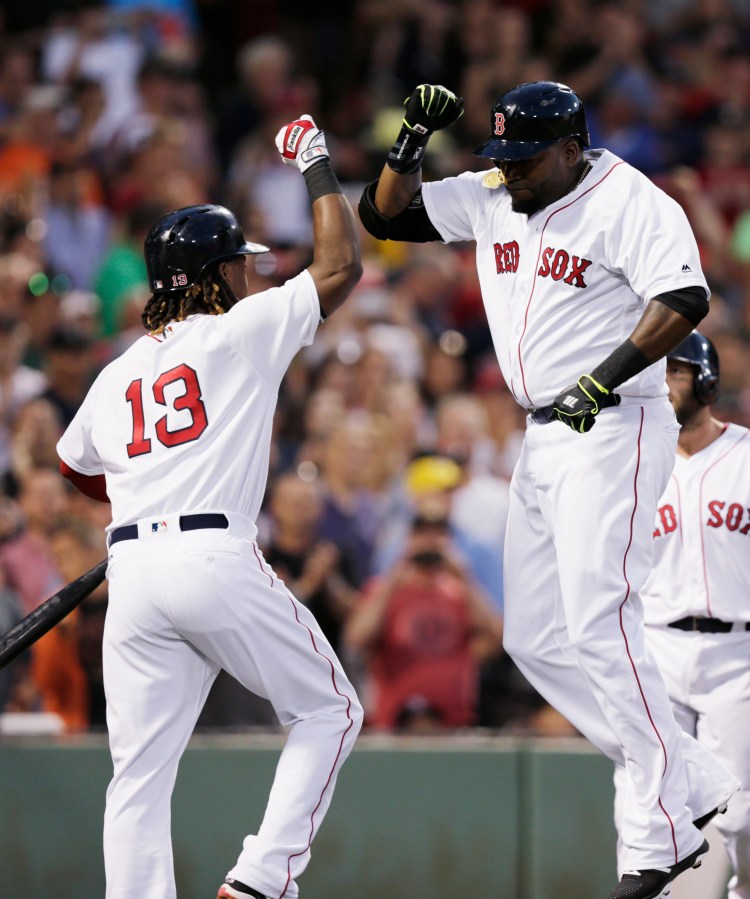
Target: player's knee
(357,715)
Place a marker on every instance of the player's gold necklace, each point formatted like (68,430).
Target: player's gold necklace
(584,171)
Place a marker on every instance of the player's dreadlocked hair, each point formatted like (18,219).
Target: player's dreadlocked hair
(210,295)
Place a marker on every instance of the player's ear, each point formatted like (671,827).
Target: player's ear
(572,151)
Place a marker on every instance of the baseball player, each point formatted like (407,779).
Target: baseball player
(695,600)
(176,433)
(589,276)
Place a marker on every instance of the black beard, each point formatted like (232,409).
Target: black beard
(526,207)
(686,411)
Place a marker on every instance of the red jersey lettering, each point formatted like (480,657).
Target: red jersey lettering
(715,507)
(506,257)
(561,266)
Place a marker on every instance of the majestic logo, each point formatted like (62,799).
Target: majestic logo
(506,257)
(561,266)
(686,268)
(499,124)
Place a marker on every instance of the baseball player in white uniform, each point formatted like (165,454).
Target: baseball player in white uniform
(176,433)
(697,598)
(589,275)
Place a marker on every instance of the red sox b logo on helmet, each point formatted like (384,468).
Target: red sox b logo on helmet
(499,123)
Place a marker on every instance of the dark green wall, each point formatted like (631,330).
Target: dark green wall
(431,818)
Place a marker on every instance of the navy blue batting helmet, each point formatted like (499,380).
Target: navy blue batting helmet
(698,350)
(531,117)
(180,246)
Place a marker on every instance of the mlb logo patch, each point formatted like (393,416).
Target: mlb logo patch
(157,526)
(158,285)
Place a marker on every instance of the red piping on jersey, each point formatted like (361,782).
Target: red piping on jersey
(700,506)
(625,637)
(343,735)
(536,267)
(679,506)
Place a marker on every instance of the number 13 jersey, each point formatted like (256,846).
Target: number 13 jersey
(181,421)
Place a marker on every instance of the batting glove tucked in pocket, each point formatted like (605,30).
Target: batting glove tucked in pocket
(301,143)
(578,405)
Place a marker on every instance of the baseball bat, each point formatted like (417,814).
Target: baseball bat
(49,613)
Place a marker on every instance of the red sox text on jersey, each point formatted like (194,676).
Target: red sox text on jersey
(560,265)
(719,513)
(701,559)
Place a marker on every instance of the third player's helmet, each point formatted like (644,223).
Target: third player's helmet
(180,246)
(698,350)
(531,117)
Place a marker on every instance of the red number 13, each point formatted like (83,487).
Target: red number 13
(190,400)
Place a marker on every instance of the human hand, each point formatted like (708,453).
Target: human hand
(301,143)
(432,107)
(578,405)
(320,564)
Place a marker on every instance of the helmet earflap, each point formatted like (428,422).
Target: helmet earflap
(706,386)
(697,350)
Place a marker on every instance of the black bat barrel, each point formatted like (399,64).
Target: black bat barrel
(49,613)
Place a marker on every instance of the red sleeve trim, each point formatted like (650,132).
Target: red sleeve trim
(93,486)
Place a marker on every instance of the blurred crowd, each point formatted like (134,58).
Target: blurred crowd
(395,435)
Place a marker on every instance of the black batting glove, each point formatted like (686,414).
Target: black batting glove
(578,405)
(431,107)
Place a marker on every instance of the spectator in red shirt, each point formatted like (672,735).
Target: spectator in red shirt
(424,627)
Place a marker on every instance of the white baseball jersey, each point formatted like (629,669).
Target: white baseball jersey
(181,423)
(564,287)
(702,569)
(186,416)
(702,536)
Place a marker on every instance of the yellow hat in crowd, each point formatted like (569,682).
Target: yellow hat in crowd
(432,473)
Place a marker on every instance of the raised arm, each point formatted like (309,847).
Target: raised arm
(336,267)
(430,108)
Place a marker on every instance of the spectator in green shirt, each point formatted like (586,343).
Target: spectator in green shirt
(123,267)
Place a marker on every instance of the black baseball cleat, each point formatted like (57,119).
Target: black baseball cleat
(234,889)
(701,822)
(650,883)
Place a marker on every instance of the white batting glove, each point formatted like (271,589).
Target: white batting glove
(301,143)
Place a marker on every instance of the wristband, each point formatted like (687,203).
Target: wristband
(621,365)
(321,180)
(405,156)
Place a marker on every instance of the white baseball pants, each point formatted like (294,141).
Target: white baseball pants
(182,606)
(578,549)
(708,680)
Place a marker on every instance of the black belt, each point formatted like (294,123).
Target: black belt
(187,523)
(544,415)
(709,625)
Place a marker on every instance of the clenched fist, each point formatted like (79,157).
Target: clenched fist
(432,107)
(578,405)
(301,143)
